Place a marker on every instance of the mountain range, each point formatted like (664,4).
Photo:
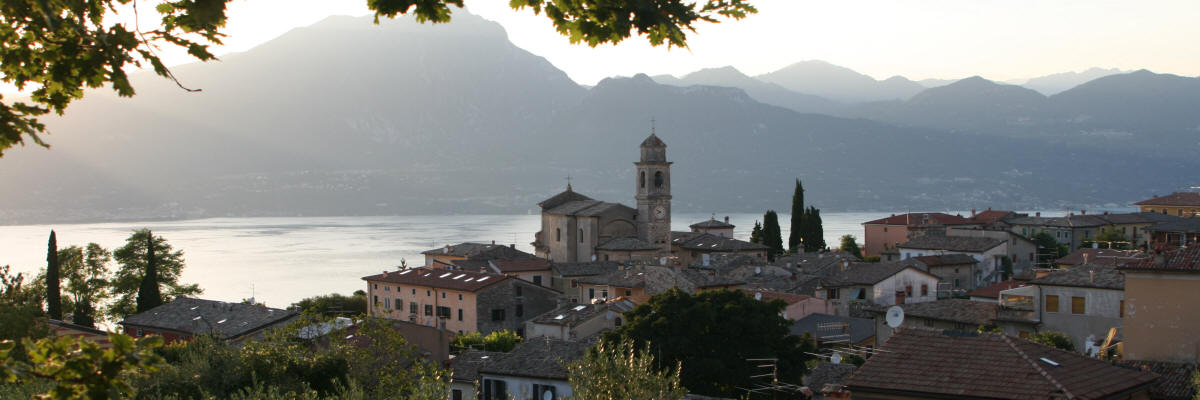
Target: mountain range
(349,118)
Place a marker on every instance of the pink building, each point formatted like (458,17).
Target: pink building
(887,233)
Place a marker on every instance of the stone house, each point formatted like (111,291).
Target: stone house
(575,321)
(647,280)
(1084,302)
(956,270)
(934,364)
(564,276)
(879,284)
(987,251)
(887,233)
(1021,251)
(535,369)
(448,256)
(1173,235)
(458,301)
(1180,204)
(1162,300)
(698,248)
(185,317)
(952,314)
(798,305)
(1090,256)
(712,226)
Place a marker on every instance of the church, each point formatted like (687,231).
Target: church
(577,228)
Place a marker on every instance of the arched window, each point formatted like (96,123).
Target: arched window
(557,234)
(658,179)
(643,179)
(581,236)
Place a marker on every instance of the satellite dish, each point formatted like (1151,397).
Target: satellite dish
(836,358)
(895,316)
(758,296)
(547,395)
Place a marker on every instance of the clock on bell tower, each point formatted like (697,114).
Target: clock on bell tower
(654,193)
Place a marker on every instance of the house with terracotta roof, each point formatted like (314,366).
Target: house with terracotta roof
(798,305)
(878,284)
(937,364)
(1173,235)
(1084,303)
(712,226)
(954,314)
(991,293)
(185,318)
(1091,256)
(1162,302)
(60,328)
(887,233)
(458,301)
(697,248)
(1180,204)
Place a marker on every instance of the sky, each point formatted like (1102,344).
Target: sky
(949,39)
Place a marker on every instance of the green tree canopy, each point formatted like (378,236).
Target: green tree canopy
(128,278)
(796,229)
(771,235)
(20,307)
(695,331)
(756,233)
(57,49)
(814,231)
(1056,339)
(333,304)
(850,245)
(53,280)
(618,370)
(1048,248)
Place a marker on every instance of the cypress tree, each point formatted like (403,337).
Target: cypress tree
(84,314)
(148,295)
(53,280)
(796,236)
(814,233)
(771,235)
(756,233)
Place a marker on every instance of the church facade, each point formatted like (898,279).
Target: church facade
(577,228)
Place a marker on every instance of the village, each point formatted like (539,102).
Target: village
(994,304)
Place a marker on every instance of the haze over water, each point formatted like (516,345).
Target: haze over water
(288,259)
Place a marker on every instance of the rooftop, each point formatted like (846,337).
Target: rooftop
(541,358)
(989,216)
(467,281)
(1085,276)
(768,295)
(1189,225)
(479,251)
(1178,199)
(1100,257)
(558,199)
(872,273)
(917,219)
(571,314)
(587,208)
(928,363)
(993,291)
(712,224)
(521,265)
(946,259)
(1175,379)
(627,244)
(828,374)
(971,313)
(657,279)
(1185,260)
(703,241)
(951,243)
(465,366)
(197,316)
(571,269)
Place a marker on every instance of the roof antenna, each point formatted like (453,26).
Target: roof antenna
(651,125)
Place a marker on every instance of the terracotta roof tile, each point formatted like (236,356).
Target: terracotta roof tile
(951,243)
(1183,260)
(521,265)
(1174,199)
(1101,257)
(467,281)
(1085,276)
(993,291)
(917,219)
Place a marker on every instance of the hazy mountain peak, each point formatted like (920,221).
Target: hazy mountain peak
(839,83)
(1057,83)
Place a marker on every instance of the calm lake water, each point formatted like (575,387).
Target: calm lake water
(282,260)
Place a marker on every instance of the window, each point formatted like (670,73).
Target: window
(658,179)
(642,178)
(832,293)
(537,280)
(429,309)
(957,283)
(443,295)
(1051,303)
(574,284)
(400,304)
(387,288)
(591,293)
(376,286)
(628,292)
(387,303)
(460,314)
(376,299)
(1121,311)
(460,297)
(908,290)
(494,389)
(412,307)
(520,310)
(557,234)
(456,394)
(517,288)
(497,314)
(414,291)
(604,293)
(443,312)
(617,321)
(544,392)
(428,293)
(1078,305)
(581,236)
(956,270)
(924,289)
(885,229)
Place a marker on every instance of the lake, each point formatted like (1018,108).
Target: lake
(282,260)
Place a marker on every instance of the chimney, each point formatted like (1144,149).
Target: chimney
(1085,258)
(446,250)
(493,241)
(1082,212)
(972,213)
(727,219)
(1038,214)
(1092,276)
(512,245)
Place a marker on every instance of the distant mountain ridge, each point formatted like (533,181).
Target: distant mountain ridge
(349,118)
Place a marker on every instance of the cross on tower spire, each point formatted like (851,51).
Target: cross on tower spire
(568,182)
(651,125)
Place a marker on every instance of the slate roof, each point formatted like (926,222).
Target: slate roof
(587,208)
(572,269)
(1085,276)
(1174,382)
(1174,199)
(1139,218)
(951,243)
(627,244)
(963,311)
(196,316)
(872,273)
(558,199)
(479,251)
(805,284)
(571,314)
(712,224)
(467,281)
(928,363)
(815,263)
(917,219)
(1185,260)
(768,295)
(703,241)
(828,374)
(1189,225)
(656,279)
(1101,257)
(521,265)
(993,291)
(860,328)
(541,358)
(465,366)
(946,259)
(653,141)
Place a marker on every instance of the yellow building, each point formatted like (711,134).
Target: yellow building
(1179,204)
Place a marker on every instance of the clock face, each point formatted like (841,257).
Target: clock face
(660,212)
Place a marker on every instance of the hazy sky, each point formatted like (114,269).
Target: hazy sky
(1000,40)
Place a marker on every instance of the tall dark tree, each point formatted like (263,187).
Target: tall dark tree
(125,285)
(796,236)
(756,233)
(148,294)
(53,278)
(814,232)
(850,245)
(771,235)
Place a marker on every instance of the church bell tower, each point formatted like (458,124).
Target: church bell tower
(654,193)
